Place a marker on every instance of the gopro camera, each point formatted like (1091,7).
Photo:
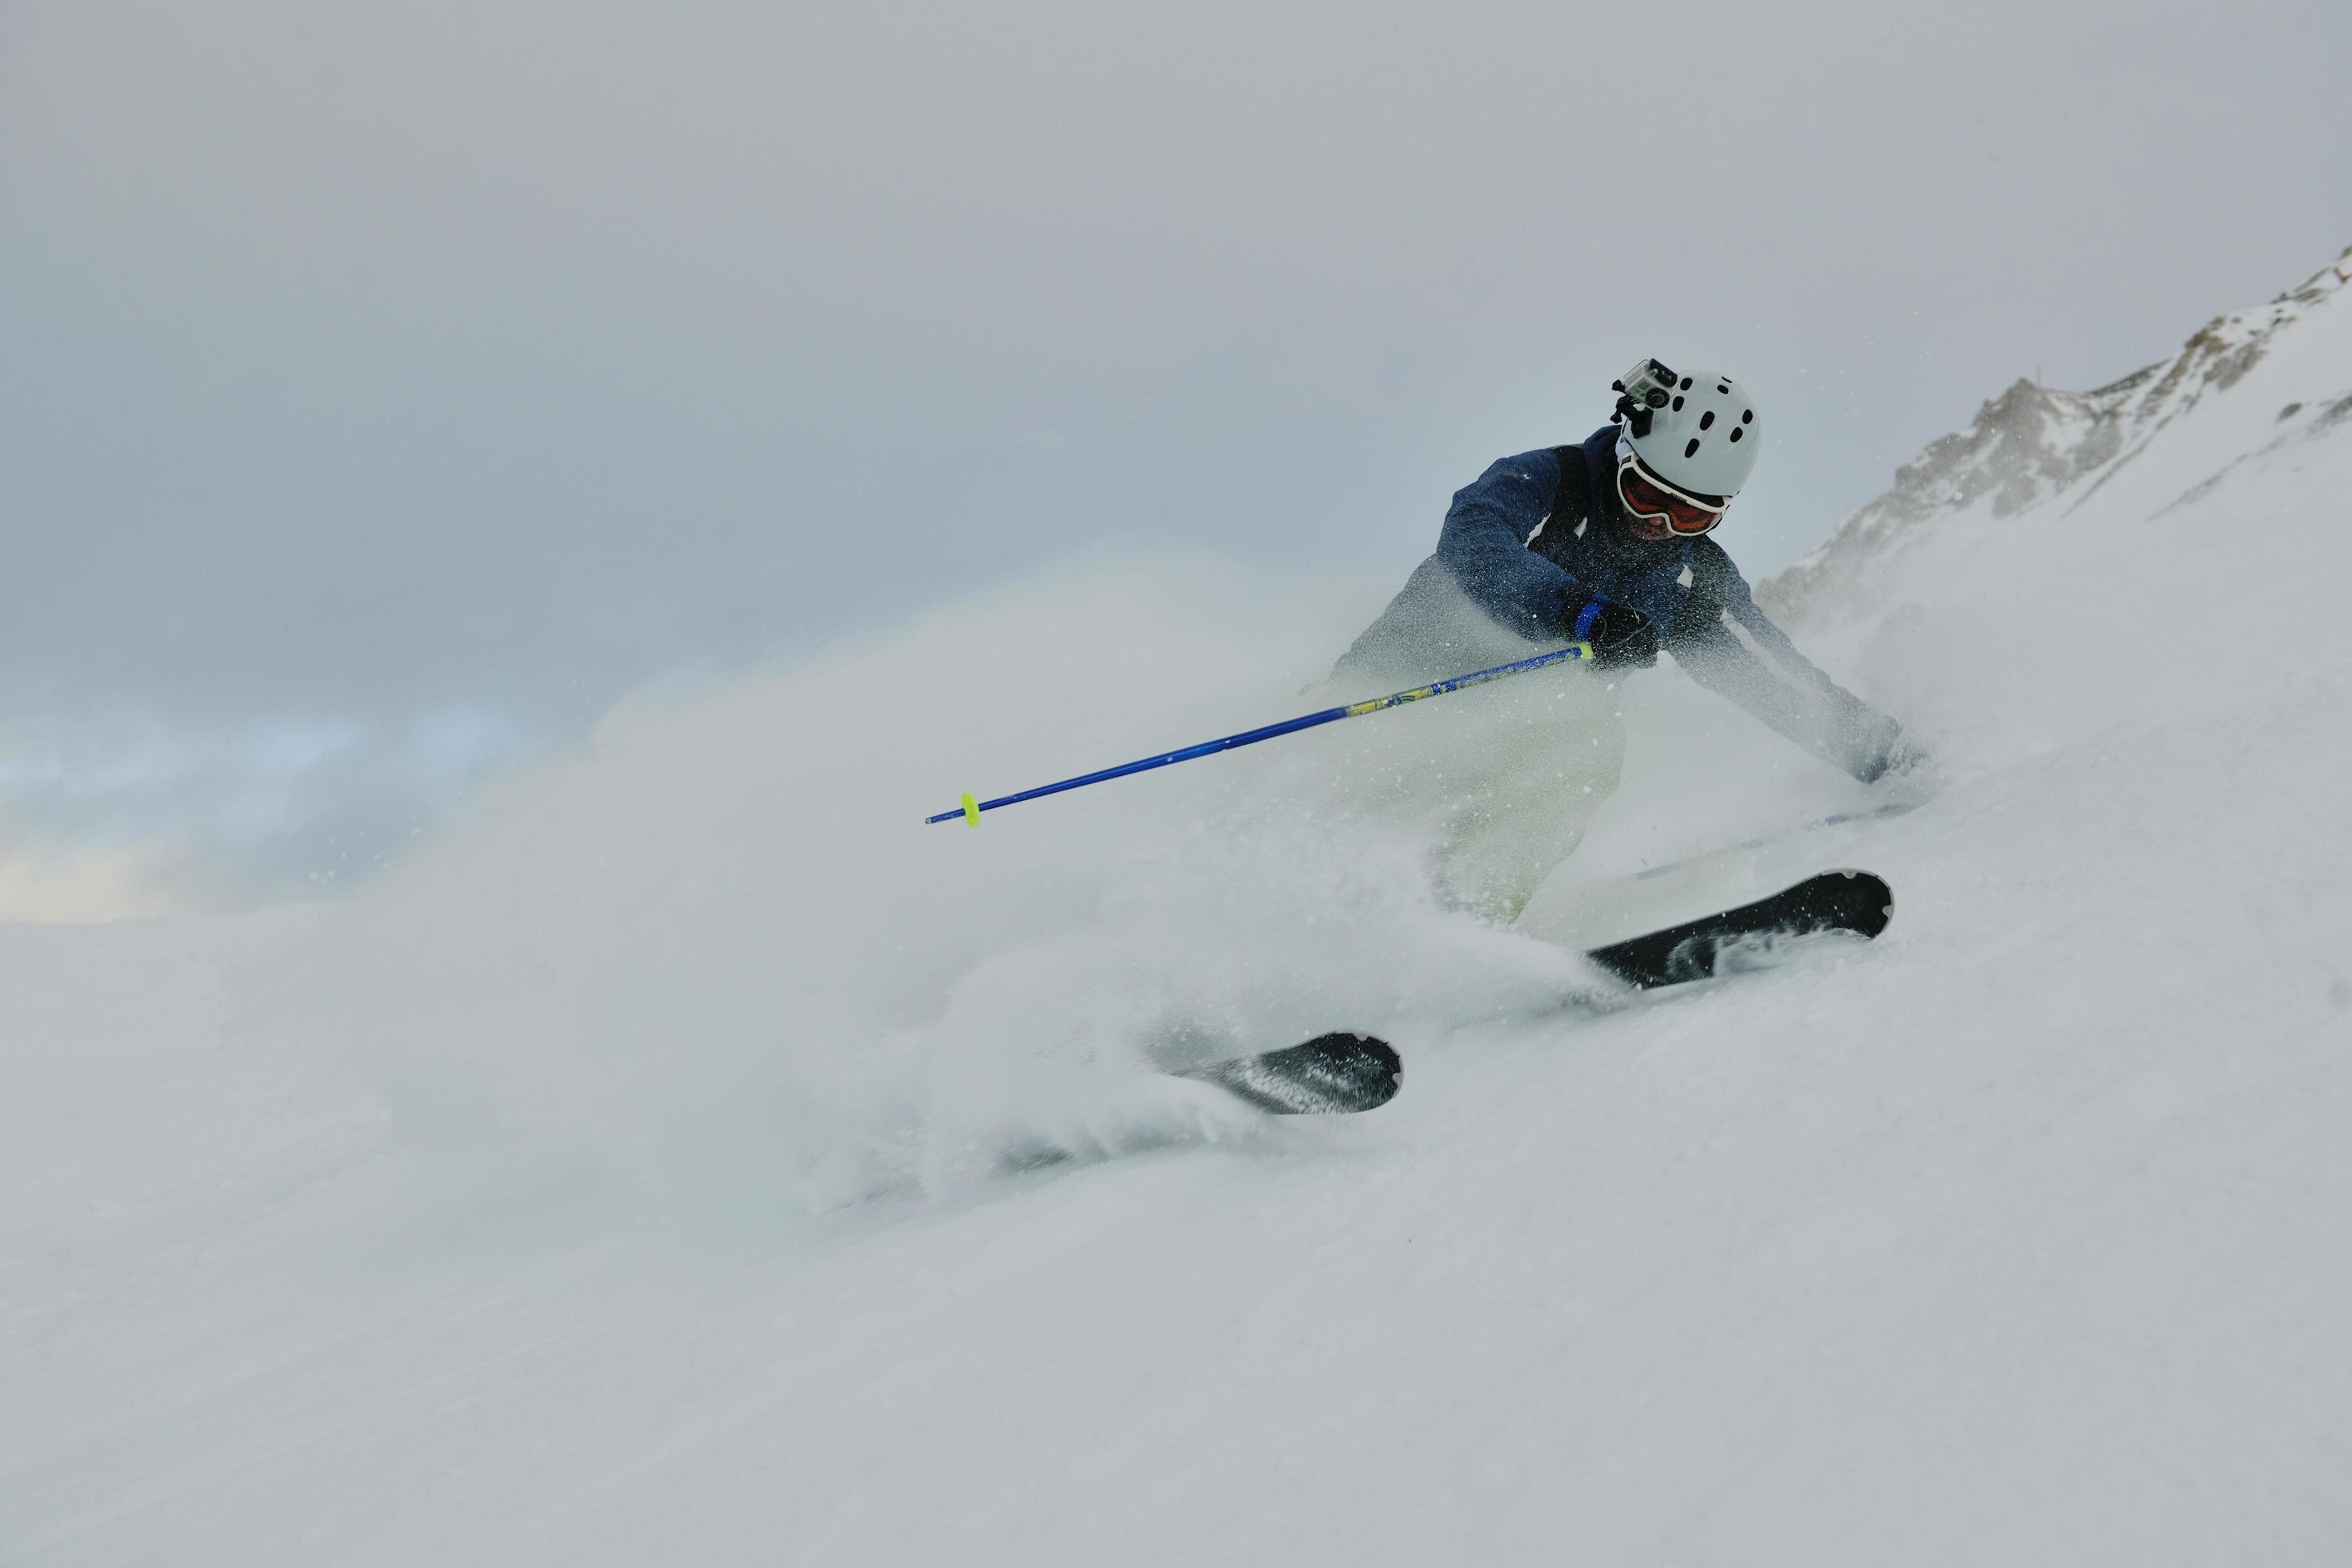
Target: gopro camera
(1646,389)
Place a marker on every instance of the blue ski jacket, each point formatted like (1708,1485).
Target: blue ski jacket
(1543,531)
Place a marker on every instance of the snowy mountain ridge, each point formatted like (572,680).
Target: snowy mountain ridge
(2033,443)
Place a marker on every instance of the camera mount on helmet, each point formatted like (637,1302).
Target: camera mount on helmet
(1645,388)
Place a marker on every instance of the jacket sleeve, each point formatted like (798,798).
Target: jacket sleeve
(1731,647)
(1484,544)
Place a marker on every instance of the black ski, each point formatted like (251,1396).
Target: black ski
(1330,1075)
(1854,902)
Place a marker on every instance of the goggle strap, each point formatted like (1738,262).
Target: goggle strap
(1650,478)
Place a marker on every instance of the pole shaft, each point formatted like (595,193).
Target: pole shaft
(1287,727)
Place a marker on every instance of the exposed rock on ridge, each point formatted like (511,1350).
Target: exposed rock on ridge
(2033,442)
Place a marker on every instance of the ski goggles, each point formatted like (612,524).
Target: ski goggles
(1651,499)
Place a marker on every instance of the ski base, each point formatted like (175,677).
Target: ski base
(1853,903)
(1333,1074)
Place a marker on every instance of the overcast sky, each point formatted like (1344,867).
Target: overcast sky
(384,388)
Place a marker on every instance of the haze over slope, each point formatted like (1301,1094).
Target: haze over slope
(627,1178)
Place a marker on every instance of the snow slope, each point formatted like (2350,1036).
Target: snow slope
(695,1159)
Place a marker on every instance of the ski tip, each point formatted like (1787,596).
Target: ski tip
(1368,1066)
(1333,1074)
(1347,1045)
(1873,901)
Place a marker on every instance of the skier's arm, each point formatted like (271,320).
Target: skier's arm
(1763,672)
(1484,544)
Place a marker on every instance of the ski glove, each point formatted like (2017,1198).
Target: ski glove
(1897,754)
(1622,637)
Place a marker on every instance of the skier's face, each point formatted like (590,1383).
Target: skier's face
(1655,509)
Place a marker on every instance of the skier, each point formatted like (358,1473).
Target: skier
(1604,543)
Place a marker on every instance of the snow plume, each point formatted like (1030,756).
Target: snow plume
(718,950)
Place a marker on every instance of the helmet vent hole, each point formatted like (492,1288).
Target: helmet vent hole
(1706,420)
(1748,416)
(1685,383)
(1678,404)
(1736,432)
(1723,389)
(1692,447)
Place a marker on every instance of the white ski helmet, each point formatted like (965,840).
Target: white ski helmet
(1695,429)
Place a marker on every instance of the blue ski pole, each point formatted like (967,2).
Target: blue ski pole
(971,809)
